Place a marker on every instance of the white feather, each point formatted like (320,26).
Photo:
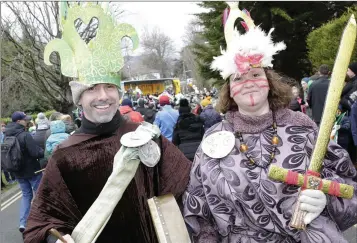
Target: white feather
(255,41)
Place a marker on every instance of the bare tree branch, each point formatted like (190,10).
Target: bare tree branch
(159,50)
(24,36)
(48,19)
(42,24)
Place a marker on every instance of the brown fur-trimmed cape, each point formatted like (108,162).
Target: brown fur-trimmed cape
(76,174)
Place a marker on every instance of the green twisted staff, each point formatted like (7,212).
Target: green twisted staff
(313,180)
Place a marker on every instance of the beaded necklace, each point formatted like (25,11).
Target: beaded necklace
(244,147)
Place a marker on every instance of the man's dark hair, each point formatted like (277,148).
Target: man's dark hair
(324,69)
(151,105)
(141,102)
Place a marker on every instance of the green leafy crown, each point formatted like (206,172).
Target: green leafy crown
(101,59)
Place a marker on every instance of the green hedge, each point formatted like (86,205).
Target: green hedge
(34,116)
(323,42)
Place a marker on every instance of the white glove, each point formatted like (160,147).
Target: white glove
(313,202)
(68,238)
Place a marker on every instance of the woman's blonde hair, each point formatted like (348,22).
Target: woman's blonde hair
(279,95)
(66,118)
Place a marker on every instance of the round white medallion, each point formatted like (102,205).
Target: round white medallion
(219,144)
(135,139)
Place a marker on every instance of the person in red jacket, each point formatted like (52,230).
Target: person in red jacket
(126,109)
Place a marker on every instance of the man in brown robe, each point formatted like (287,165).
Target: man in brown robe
(80,167)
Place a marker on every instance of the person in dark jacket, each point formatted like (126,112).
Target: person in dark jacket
(353,119)
(42,125)
(40,135)
(150,113)
(344,133)
(188,131)
(141,107)
(344,137)
(209,114)
(9,176)
(350,87)
(296,103)
(26,177)
(317,94)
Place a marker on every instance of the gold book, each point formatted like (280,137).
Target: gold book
(168,221)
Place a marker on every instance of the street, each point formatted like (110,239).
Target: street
(10,233)
(9,223)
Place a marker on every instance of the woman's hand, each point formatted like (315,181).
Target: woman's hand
(68,239)
(313,202)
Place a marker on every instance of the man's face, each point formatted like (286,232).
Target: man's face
(3,127)
(350,74)
(250,90)
(23,122)
(100,103)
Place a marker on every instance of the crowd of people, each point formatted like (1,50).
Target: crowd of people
(183,122)
(310,99)
(211,150)
(37,139)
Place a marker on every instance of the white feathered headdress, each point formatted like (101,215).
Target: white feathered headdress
(255,48)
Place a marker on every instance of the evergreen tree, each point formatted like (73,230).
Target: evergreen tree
(213,37)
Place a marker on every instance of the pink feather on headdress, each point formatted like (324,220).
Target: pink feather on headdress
(225,16)
(244,63)
(244,24)
(246,12)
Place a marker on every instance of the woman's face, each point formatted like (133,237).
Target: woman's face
(250,90)
(350,73)
(295,92)
(304,85)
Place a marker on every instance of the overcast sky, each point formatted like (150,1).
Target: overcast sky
(170,17)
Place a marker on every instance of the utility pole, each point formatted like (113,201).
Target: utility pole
(183,68)
(126,53)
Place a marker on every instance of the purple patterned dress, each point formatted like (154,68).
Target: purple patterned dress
(230,200)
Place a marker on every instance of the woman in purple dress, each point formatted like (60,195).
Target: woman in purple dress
(230,197)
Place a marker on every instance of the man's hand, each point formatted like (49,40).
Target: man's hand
(313,202)
(68,239)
